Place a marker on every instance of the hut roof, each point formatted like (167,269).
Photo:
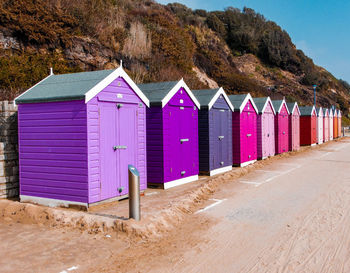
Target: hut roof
(278,105)
(75,86)
(291,106)
(306,110)
(207,97)
(239,101)
(160,93)
(261,104)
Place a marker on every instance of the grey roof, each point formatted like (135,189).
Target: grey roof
(156,92)
(63,87)
(237,100)
(277,104)
(306,110)
(260,103)
(205,96)
(290,106)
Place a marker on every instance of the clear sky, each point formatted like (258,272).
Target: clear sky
(321,28)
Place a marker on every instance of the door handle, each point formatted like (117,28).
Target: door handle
(221,137)
(249,135)
(184,140)
(119,147)
(183,172)
(222,163)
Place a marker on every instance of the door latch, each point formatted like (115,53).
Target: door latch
(120,190)
(249,135)
(119,105)
(119,147)
(222,163)
(184,140)
(221,137)
(183,172)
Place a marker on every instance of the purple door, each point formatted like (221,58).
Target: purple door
(220,119)
(118,136)
(186,142)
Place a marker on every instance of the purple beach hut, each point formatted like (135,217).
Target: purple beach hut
(77,135)
(172,134)
(215,131)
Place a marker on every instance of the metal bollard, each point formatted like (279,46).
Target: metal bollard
(134,193)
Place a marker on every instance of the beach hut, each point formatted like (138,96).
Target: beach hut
(335,123)
(339,124)
(325,125)
(308,124)
(265,127)
(330,112)
(319,125)
(214,131)
(294,126)
(77,135)
(281,126)
(244,130)
(172,134)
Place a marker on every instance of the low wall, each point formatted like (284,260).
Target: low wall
(9,178)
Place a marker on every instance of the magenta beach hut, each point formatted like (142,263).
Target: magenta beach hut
(294,126)
(265,127)
(215,131)
(244,130)
(77,135)
(172,134)
(325,125)
(281,126)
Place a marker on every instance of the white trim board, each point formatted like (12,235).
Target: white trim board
(248,98)
(268,100)
(179,182)
(295,106)
(119,72)
(220,170)
(244,164)
(283,103)
(217,95)
(49,202)
(173,91)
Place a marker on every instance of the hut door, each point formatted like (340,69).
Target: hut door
(118,136)
(218,137)
(185,141)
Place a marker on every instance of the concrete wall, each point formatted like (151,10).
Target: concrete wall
(9,181)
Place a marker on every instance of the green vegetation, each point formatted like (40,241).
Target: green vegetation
(157,43)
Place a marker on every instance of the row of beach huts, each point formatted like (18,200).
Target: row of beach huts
(79,132)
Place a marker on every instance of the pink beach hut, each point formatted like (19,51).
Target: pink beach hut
(319,125)
(281,126)
(294,126)
(325,125)
(265,127)
(330,112)
(244,130)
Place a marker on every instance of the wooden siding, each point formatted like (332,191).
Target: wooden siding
(174,129)
(155,153)
(236,138)
(53,150)
(294,131)
(109,94)
(282,131)
(203,140)
(266,133)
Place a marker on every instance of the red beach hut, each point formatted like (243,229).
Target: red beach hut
(294,126)
(281,126)
(265,127)
(339,123)
(325,125)
(244,130)
(308,124)
(335,123)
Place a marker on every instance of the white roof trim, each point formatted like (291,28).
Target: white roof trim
(14,101)
(247,98)
(297,107)
(330,112)
(176,88)
(313,109)
(119,72)
(339,113)
(283,103)
(335,113)
(266,103)
(320,111)
(217,95)
(327,112)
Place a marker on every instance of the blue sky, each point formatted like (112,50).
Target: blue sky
(321,28)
